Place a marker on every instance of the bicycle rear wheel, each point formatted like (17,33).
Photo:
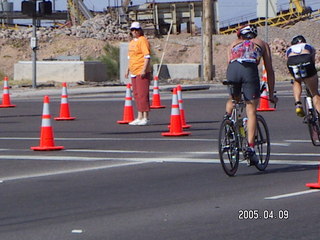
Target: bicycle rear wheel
(228,147)
(262,143)
(313,125)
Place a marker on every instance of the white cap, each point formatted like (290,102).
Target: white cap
(135,25)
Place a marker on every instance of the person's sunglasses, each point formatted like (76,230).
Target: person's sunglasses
(134,29)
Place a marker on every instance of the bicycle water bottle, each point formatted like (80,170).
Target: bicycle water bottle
(309,103)
(296,72)
(241,128)
(244,123)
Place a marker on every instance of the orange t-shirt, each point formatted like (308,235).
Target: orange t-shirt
(139,50)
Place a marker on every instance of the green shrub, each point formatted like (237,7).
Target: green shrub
(111,59)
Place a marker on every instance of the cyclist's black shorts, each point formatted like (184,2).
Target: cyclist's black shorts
(246,76)
(304,61)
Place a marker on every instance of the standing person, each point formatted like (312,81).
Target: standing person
(244,56)
(301,65)
(139,70)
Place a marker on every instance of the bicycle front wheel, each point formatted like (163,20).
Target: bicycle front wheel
(262,143)
(228,147)
(313,125)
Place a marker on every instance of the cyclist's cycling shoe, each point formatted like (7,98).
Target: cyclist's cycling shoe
(251,155)
(299,109)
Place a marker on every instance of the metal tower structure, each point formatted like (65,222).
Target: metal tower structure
(78,11)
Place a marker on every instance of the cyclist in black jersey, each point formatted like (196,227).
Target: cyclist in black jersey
(301,65)
(244,56)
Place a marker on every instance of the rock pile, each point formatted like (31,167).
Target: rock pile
(101,27)
(278,47)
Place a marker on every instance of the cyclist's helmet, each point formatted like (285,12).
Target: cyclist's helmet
(298,39)
(248,31)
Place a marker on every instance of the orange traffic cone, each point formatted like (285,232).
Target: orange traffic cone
(182,115)
(128,115)
(175,120)
(315,185)
(156,101)
(46,137)
(264,98)
(64,106)
(6,96)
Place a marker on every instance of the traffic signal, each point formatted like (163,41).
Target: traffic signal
(45,7)
(29,8)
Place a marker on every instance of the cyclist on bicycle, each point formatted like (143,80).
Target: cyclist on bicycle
(244,56)
(301,65)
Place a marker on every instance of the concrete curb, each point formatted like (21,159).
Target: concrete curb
(30,92)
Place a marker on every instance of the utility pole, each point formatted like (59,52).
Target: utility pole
(207,39)
(34,46)
(29,8)
(266,22)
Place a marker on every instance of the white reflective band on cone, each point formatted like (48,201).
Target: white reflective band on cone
(64,99)
(127,102)
(175,110)
(45,109)
(46,122)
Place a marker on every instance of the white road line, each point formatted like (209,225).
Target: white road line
(120,151)
(292,194)
(177,159)
(48,173)
(280,144)
(176,152)
(134,151)
(298,141)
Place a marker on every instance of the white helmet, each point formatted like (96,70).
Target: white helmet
(252,29)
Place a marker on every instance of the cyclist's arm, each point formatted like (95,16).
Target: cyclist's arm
(267,59)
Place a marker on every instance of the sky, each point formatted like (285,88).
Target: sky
(228,9)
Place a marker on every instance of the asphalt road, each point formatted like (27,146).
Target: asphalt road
(116,181)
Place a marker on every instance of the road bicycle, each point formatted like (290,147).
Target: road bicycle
(311,118)
(233,139)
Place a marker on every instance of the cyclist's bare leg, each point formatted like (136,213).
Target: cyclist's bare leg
(251,107)
(312,84)
(229,106)
(297,90)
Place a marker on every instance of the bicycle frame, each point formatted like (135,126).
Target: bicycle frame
(237,119)
(233,140)
(311,118)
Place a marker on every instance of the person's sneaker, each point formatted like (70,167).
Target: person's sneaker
(135,122)
(299,110)
(251,156)
(143,122)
